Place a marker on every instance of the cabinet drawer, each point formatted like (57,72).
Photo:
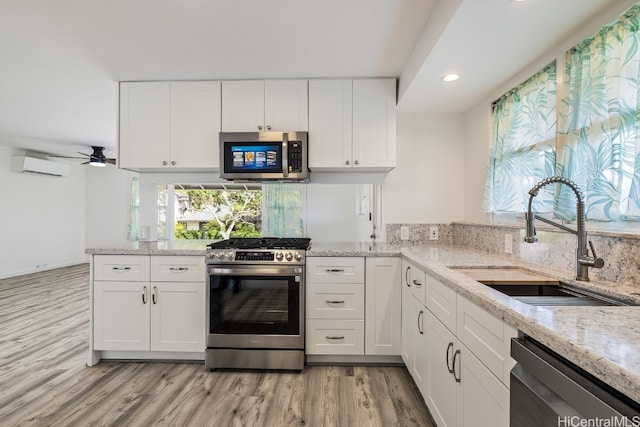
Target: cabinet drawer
(417,282)
(488,337)
(441,301)
(334,336)
(177,269)
(122,268)
(335,270)
(335,301)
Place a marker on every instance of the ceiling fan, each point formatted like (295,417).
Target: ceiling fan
(97,158)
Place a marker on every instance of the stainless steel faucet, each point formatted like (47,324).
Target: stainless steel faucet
(583,260)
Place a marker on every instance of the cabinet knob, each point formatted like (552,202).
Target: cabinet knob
(164,163)
(347,162)
(173,162)
(356,162)
(259,127)
(268,127)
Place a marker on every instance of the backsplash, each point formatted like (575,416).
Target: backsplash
(556,249)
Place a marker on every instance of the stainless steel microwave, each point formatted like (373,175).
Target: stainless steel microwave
(264,156)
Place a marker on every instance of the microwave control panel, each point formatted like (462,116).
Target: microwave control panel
(295,154)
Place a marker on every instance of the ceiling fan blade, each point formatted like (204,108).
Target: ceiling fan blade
(111,161)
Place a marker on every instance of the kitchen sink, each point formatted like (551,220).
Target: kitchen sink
(553,294)
(536,289)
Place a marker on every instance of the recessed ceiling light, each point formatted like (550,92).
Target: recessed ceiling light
(451,77)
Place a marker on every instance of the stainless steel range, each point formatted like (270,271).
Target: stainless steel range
(255,303)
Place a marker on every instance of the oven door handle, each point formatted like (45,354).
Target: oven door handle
(253,271)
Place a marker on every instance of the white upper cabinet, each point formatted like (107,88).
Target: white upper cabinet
(330,123)
(374,123)
(169,125)
(259,105)
(352,125)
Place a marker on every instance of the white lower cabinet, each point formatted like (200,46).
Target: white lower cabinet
(335,306)
(462,386)
(383,331)
(157,305)
(121,316)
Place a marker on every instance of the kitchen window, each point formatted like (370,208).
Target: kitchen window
(522,150)
(596,142)
(221,211)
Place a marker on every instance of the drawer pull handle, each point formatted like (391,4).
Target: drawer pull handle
(144,294)
(335,338)
(178,268)
(334,301)
(417,283)
(421,322)
(449,347)
(406,276)
(154,295)
(121,268)
(335,270)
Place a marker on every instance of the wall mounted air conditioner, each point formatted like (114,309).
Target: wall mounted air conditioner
(34,165)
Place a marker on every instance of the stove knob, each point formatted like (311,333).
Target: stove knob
(279,256)
(230,256)
(297,256)
(288,256)
(220,255)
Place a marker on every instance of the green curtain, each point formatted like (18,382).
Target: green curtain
(598,123)
(522,150)
(282,212)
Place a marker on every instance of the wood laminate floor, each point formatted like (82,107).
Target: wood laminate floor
(44,380)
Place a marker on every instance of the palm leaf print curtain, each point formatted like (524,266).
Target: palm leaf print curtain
(599,123)
(522,150)
(282,210)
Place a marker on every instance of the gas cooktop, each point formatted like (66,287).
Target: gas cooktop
(262,243)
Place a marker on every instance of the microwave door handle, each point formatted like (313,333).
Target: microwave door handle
(285,154)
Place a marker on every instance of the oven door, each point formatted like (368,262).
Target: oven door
(251,306)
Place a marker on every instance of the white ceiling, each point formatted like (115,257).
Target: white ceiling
(61,60)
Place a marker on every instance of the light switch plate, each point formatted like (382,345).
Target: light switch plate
(404,232)
(508,243)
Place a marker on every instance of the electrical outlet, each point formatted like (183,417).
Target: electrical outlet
(433,233)
(404,233)
(508,243)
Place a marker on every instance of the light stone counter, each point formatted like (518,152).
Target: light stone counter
(353,249)
(605,341)
(164,247)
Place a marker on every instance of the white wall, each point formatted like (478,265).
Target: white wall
(107,198)
(477,125)
(42,218)
(427,185)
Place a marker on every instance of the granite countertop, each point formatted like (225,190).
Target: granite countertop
(163,247)
(603,340)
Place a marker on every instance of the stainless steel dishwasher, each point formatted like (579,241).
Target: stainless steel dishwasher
(547,390)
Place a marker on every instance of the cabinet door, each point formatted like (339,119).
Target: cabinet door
(330,123)
(482,399)
(145,124)
(177,316)
(121,315)
(374,123)
(195,124)
(407,316)
(383,330)
(286,105)
(419,361)
(243,106)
